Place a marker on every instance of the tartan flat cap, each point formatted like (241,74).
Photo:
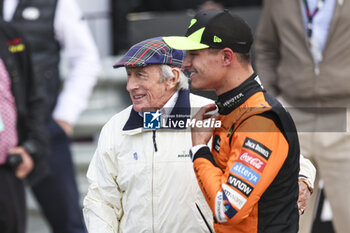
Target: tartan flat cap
(149,52)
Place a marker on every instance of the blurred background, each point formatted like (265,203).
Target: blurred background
(116,25)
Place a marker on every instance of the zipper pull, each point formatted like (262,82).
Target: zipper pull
(154,141)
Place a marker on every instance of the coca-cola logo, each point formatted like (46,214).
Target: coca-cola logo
(252,160)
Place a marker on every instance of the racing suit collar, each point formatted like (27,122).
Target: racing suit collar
(229,101)
(181,107)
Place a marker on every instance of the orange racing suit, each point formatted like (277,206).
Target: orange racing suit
(250,178)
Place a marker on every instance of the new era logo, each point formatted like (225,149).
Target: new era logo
(217,39)
(151,120)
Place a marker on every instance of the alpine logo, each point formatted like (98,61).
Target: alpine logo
(257,147)
(239,184)
(253,160)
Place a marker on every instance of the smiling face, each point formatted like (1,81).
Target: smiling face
(205,67)
(145,88)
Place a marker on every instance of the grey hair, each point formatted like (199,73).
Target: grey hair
(167,73)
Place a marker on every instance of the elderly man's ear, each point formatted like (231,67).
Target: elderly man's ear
(172,83)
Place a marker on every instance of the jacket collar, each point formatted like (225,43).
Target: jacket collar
(232,99)
(181,108)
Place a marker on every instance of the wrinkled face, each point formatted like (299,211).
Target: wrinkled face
(204,67)
(145,88)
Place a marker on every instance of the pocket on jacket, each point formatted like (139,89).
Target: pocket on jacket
(55,130)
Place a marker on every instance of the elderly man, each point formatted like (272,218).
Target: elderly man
(142,180)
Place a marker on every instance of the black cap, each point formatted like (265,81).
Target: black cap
(214,29)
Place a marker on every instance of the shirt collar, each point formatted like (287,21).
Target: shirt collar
(232,99)
(169,106)
(178,104)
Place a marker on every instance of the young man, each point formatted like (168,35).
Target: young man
(250,177)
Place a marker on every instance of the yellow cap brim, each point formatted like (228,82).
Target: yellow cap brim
(183,43)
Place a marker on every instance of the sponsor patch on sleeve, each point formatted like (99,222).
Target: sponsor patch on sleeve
(246,173)
(257,147)
(233,196)
(16,45)
(252,160)
(240,185)
(229,210)
(219,208)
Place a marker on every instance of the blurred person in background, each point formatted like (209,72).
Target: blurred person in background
(23,137)
(303,56)
(120,10)
(52,27)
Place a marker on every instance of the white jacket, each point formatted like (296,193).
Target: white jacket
(135,189)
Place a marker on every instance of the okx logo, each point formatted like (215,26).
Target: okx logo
(151,120)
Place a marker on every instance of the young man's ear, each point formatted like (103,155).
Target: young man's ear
(172,83)
(228,56)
